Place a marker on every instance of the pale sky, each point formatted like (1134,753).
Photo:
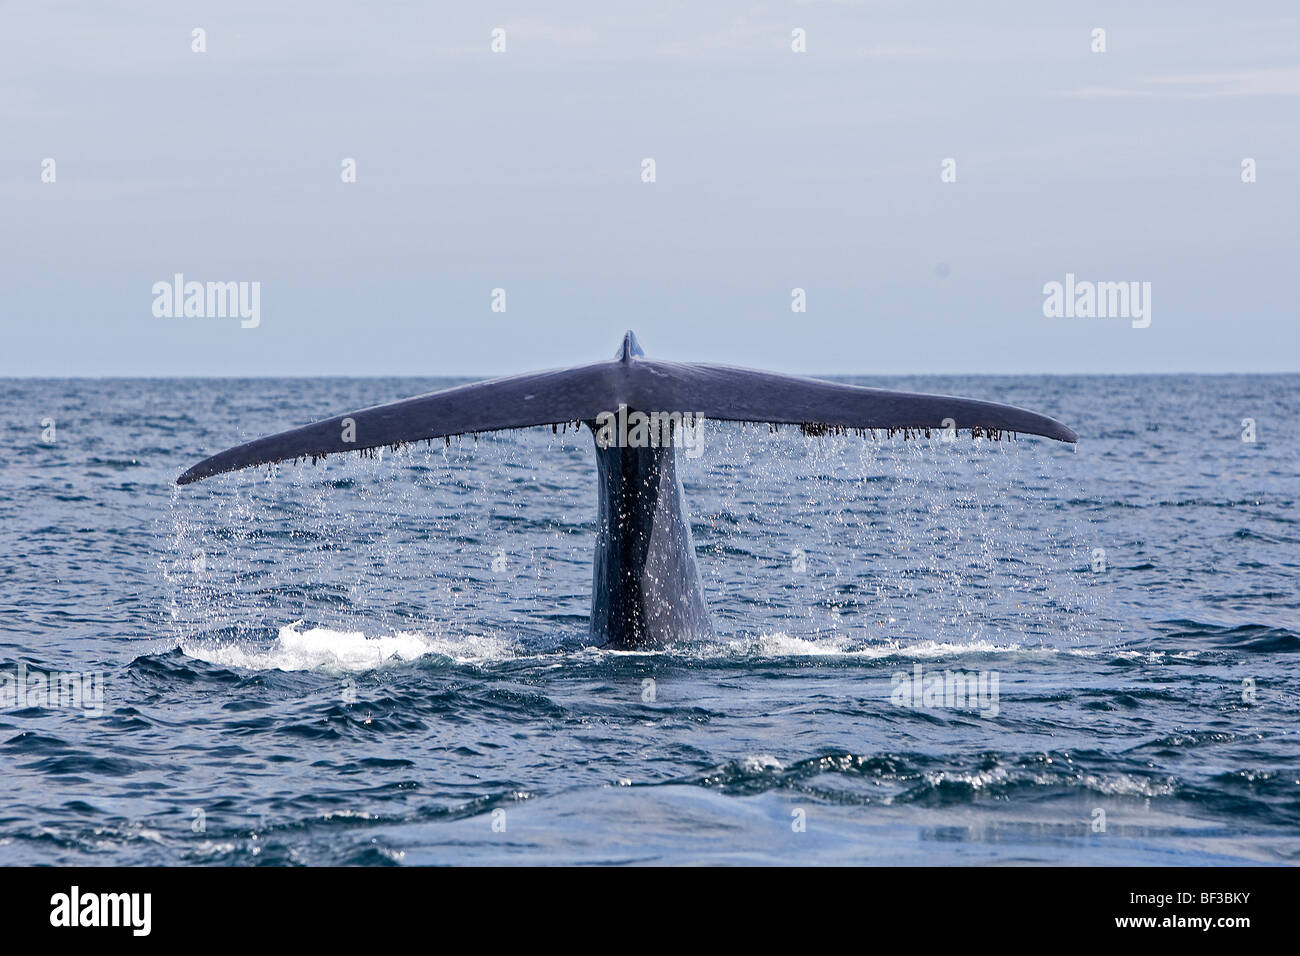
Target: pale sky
(774,170)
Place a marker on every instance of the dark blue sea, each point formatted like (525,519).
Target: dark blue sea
(385,660)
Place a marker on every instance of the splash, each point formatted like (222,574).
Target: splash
(339,652)
(780,644)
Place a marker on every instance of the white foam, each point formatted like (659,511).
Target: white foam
(781,644)
(331,651)
(761,763)
(336,652)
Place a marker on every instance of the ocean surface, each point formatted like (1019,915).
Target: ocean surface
(385,660)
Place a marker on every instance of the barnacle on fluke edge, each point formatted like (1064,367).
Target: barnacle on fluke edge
(822,429)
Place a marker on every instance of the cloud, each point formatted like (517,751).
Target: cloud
(1276,82)
(1283,81)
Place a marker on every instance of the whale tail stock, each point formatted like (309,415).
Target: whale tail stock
(583,393)
(646,586)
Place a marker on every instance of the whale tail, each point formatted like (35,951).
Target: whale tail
(645,583)
(581,394)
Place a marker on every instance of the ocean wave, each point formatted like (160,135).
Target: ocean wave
(337,652)
(915,779)
(779,644)
(1258,638)
(333,651)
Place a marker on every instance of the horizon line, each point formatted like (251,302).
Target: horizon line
(472,377)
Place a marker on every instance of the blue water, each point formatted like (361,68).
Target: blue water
(385,661)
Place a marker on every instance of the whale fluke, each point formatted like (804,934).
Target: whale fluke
(646,585)
(581,394)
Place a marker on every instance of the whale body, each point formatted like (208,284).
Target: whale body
(646,588)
